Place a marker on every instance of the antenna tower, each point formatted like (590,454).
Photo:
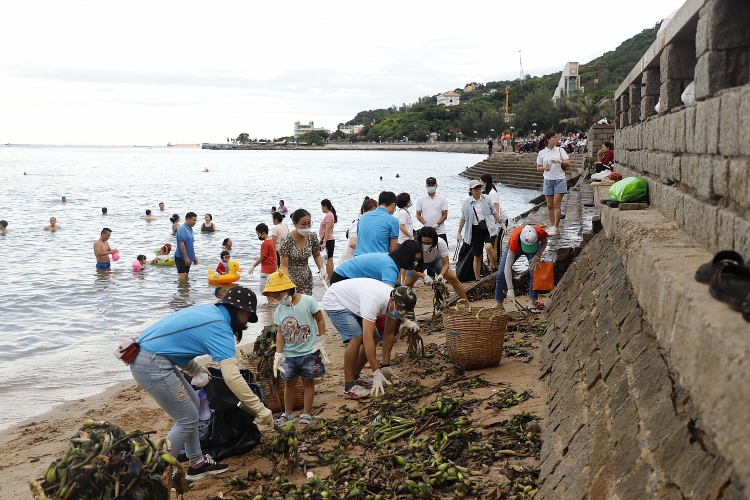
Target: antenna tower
(520,61)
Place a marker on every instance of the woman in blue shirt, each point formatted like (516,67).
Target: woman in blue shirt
(170,345)
(380,266)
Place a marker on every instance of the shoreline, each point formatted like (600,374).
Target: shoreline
(439,147)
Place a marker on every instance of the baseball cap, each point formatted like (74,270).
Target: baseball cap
(474,183)
(405,299)
(431,180)
(529,239)
(242,298)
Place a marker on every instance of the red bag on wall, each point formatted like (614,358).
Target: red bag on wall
(544,276)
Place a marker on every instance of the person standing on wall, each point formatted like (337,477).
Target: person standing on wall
(432,209)
(185,253)
(553,161)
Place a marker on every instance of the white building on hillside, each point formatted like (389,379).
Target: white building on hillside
(351,129)
(570,82)
(449,98)
(300,129)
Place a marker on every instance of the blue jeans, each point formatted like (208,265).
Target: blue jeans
(165,383)
(501,285)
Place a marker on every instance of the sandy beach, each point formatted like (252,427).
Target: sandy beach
(31,445)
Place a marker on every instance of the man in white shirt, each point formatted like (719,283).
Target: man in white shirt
(432,209)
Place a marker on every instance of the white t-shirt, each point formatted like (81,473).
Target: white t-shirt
(495,200)
(404,217)
(555,172)
(438,252)
(432,210)
(477,211)
(364,297)
(280,231)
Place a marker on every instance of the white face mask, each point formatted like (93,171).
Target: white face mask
(303,231)
(286,301)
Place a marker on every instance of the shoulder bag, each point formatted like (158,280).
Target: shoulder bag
(481,223)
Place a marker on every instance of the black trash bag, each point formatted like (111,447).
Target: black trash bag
(232,430)
(465,265)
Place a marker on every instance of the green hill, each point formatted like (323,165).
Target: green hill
(481,110)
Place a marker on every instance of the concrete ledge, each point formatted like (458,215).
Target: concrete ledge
(707,344)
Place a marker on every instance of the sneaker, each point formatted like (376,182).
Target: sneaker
(356,392)
(553,231)
(208,467)
(363,381)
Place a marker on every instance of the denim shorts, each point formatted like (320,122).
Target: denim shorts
(348,324)
(436,266)
(551,187)
(307,366)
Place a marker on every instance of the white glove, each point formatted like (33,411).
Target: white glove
(505,229)
(378,379)
(410,326)
(251,271)
(556,160)
(534,263)
(323,351)
(264,417)
(322,274)
(278,359)
(198,373)
(427,279)
(459,239)
(388,373)
(200,380)
(439,278)
(510,294)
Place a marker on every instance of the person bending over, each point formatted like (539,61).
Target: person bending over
(531,242)
(435,260)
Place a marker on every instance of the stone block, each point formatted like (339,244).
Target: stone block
(707,121)
(690,129)
(624,101)
(721,175)
(722,25)
(672,169)
(739,181)
(744,125)
(690,170)
(710,74)
(670,95)
(637,344)
(725,229)
(618,105)
(637,484)
(700,221)
(742,237)
(634,91)
(729,124)
(651,82)
(677,61)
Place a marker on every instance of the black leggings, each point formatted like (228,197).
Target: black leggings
(336,277)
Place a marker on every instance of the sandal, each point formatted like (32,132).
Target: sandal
(731,284)
(287,418)
(746,308)
(306,420)
(707,270)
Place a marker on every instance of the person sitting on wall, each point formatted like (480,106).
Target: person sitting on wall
(607,158)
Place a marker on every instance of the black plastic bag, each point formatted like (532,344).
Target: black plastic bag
(232,430)
(465,265)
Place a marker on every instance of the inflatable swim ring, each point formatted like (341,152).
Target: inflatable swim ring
(169,261)
(231,277)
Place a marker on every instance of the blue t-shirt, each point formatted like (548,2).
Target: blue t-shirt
(200,330)
(378,266)
(185,234)
(298,326)
(374,232)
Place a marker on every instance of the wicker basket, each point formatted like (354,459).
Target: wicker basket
(273,393)
(474,336)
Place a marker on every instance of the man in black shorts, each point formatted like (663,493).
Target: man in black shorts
(185,252)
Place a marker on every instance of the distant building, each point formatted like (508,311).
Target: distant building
(351,129)
(300,129)
(449,98)
(491,92)
(570,82)
(470,87)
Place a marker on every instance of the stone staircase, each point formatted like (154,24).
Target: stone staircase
(517,170)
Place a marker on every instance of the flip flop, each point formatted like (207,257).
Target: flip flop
(589,204)
(731,284)
(746,308)
(707,270)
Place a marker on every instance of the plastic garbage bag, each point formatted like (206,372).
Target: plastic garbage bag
(688,95)
(465,265)
(628,189)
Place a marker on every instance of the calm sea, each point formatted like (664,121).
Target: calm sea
(61,319)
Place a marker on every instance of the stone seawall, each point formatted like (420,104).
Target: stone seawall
(619,423)
(438,147)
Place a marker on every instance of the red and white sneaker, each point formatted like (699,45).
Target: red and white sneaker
(356,392)
(363,381)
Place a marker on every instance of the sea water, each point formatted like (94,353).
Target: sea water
(60,319)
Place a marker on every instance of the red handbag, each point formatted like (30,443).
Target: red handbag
(127,351)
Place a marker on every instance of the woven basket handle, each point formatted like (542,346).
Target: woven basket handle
(483,310)
(467,306)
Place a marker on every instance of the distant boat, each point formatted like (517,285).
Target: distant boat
(181,145)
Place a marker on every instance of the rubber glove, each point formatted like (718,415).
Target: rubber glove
(510,294)
(534,263)
(427,279)
(556,160)
(410,326)
(198,373)
(251,271)
(439,278)
(278,360)
(323,351)
(388,373)
(200,380)
(378,379)
(264,417)
(322,274)
(459,239)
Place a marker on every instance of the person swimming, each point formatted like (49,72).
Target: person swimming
(163,254)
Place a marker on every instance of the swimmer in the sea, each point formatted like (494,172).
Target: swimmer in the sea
(53,225)
(148,216)
(163,254)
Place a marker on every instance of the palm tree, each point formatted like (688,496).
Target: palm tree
(586,111)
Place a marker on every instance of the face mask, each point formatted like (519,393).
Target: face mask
(415,265)
(286,301)
(394,314)
(261,239)
(303,231)
(431,190)
(409,205)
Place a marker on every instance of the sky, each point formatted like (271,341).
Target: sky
(146,72)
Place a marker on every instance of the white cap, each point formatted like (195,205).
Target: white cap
(529,239)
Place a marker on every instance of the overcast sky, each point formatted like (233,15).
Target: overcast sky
(137,72)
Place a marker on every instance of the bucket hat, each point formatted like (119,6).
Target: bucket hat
(278,282)
(405,299)
(242,298)
(529,239)
(474,183)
